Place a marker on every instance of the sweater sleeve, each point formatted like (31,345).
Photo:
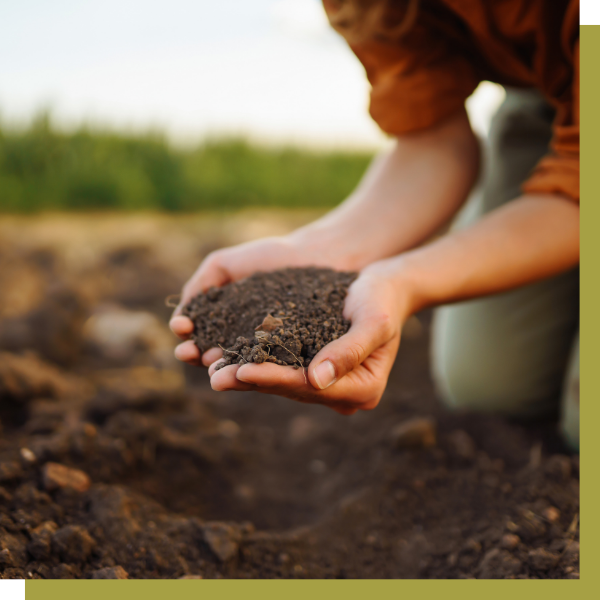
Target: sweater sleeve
(416,82)
(558,171)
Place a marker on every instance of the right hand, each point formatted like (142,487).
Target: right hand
(225,266)
(350,373)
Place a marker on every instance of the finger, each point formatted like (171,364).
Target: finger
(209,274)
(341,356)
(268,375)
(289,383)
(293,383)
(188,352)
(211,355)
(213,367)
(363,386)
(361,389)
(181,326)
(224,379)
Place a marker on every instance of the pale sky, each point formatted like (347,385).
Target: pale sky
(269,69)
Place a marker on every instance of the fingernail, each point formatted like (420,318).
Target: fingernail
(237,374)
(177,353)
(178,320)
(324,374)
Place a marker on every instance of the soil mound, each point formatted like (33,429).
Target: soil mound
(284,317)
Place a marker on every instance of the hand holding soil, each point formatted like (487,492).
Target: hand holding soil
(346,372)
(225,266)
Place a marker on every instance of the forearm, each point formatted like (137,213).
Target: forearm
(532,238)
(405,197)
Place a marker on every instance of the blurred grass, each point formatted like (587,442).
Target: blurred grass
(42,168)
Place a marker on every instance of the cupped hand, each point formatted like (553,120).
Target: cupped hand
(348,374)
(227,265)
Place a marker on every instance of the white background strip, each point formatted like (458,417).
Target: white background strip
(590,12)
(12,589)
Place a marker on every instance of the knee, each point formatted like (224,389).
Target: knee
(469,382)
(472,371)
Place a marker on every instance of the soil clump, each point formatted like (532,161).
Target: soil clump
(283,317)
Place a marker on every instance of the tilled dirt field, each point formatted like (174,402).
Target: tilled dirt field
(112,466)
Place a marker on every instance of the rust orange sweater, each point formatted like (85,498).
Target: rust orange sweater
(454,44)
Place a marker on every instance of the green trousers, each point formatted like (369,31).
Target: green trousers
(515,353)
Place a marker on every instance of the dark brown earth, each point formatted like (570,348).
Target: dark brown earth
(283,317)
(171,481)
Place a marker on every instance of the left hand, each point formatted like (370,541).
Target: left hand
(350,373)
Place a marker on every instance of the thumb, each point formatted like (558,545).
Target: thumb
(345,354)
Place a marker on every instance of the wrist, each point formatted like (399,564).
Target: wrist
(402,281)
(325,245)
(413,274)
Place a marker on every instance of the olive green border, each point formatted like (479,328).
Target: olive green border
(301,590)
(590,298)
(590,382)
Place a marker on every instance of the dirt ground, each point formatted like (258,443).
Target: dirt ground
(116,462)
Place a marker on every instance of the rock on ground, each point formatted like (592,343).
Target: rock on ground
(117,572)
(415,433)
(57,476)
(222,539)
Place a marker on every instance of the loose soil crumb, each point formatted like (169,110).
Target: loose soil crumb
(283,317)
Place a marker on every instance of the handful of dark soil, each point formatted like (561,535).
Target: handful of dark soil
(284,317)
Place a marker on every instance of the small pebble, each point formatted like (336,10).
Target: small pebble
(512,526)
(57,476)
(27,455)
(415,433)
(228,429)
(117,572)
(510,541)
(463,445)
(222,539)
(90,430)
(551,514)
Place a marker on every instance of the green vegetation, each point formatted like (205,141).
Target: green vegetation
(45,169)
